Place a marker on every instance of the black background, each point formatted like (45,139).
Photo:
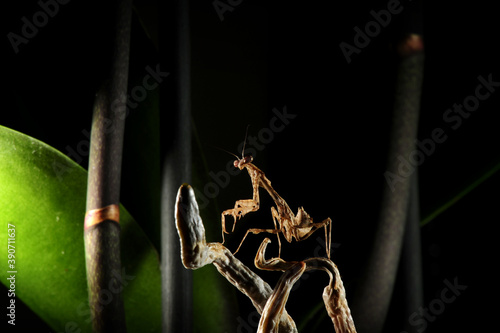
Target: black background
(331,157)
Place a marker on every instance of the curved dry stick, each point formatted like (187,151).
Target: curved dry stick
(196,253)
(275,305)
(334,295)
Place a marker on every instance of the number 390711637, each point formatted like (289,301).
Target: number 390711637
(11,248)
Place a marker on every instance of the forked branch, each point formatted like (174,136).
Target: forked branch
(196,253)
(334,295)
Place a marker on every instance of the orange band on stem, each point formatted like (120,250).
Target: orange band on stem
(96,216)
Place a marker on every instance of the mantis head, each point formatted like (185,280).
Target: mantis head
(241,162)
(244,160)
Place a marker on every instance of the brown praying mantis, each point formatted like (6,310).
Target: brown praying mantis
(299,226)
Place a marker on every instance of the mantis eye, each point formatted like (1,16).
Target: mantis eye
(248,159)
(235,163)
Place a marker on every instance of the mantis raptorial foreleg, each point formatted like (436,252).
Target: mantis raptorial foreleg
(242,207)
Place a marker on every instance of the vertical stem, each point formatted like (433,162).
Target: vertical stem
(102,230)
(175,104)
(411,258)
(373,296)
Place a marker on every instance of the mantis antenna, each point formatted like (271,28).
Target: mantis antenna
(245,142)
(244,145)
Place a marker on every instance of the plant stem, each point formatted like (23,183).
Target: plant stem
(175,113)
(196,253)
(372,297)
(102,230)
(411,257)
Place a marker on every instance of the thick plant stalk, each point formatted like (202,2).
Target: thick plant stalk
(102,230)
(175,104)
(373,296)
(411,258)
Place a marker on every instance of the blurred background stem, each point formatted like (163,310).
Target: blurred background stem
(175,118)
(373,295)
(411,257)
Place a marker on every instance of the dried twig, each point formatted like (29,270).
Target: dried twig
(196,253)
(333,295)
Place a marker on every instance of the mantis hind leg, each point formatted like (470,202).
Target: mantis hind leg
(328,238)
(276,216)
(257,231)
(313,227)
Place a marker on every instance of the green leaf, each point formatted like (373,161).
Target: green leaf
(478,181)
(43,193)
